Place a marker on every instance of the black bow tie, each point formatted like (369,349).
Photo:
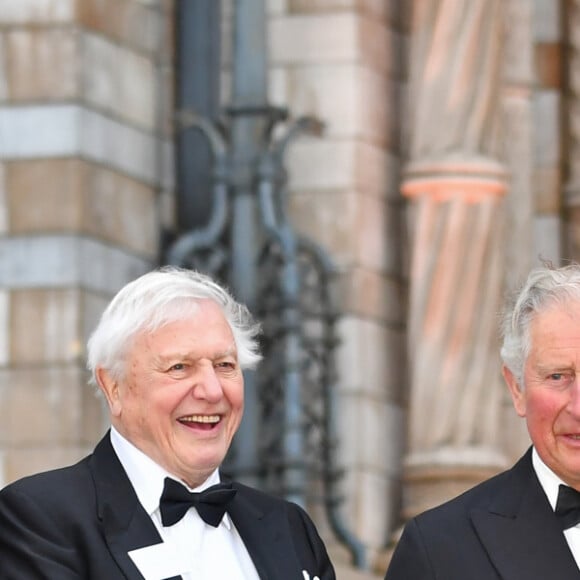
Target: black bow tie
(568,507)
(211,503)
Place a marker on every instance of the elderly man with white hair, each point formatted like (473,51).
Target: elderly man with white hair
(149,502)
(524,523)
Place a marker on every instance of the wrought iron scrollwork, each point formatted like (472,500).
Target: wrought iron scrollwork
(295,302)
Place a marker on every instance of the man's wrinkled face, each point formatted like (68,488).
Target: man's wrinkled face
(181,398)
(550,398)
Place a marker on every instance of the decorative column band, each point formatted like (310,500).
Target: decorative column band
(473,180)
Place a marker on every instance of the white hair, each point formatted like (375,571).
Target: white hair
(544,287)
(158,298)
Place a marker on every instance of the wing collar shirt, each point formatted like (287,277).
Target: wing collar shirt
(550,483)
(205,552)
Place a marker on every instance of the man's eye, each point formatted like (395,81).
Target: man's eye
(226,365)
(177,367)
(561,378)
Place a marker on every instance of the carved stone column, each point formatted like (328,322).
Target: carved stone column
(572,125)
(455,185)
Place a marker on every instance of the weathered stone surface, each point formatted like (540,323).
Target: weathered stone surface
(30,12)
(69,131)
(119,81)
(64,261)
(138,25)
(45,327)
(48,407)
(20,462)
(41,64)
(377,348)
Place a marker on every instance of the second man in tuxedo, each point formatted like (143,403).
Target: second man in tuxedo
(523,523)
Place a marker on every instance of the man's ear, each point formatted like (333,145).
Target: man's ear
(110,388)
(516,391)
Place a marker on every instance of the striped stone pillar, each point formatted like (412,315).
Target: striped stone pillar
(84,162)
(455,182)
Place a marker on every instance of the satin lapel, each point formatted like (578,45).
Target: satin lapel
(520,532)
(126,525)
(267,537)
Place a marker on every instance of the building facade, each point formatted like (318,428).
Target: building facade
(446,169)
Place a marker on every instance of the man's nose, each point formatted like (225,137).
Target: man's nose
(574,402)
(207,384)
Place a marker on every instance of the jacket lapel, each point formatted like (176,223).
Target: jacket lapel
(126,525)
(520,532)
(267,536)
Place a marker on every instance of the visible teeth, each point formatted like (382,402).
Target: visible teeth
(201,418)
(575,436)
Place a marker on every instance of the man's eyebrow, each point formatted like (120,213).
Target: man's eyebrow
(231,351)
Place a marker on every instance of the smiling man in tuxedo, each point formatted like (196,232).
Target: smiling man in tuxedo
(168,355)
(524,523)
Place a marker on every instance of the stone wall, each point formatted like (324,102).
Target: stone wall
(86,183)
(84,160)
(347,70)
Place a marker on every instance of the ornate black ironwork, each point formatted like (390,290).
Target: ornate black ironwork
(295,383)
(287,440)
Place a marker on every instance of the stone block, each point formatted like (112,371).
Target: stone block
(381,351)
(323,39)
(546,121)
(37,11)
(379,46)
(51,406)
(41,64)
(38,131)
(4,214)
(45,326)
(3,68)
(317,164)
(349,99)
(371,507)
(119,146)
(63,261)
(323,164)
(517,54)
(370,294)
(68,130)
(378,441)
(135,25)
(93,306)
(4,327)
(121,210)
(547,236)
(119,81)
(333,37)
(44,196)
(69,195)
(353,228)
(378,9)
(106,269)
(330,219)
(547,189)
(28,461)
(547,20)
(548,65)
(372,229)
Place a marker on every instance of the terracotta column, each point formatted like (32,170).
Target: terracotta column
(455,185)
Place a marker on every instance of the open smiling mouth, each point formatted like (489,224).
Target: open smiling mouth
(205,422)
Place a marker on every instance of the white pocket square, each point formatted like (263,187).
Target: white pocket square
(307,576)
(158,561)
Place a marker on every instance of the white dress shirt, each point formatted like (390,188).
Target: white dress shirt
(550,483)
(198,550)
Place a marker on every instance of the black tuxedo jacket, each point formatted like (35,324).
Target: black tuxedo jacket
(502,529)
(80,522)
